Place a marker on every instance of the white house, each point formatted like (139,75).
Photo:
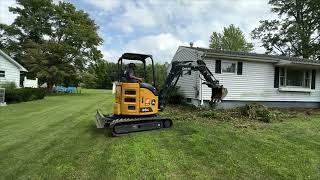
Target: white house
(10,69)
(276,81)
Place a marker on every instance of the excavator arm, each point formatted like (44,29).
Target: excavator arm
(218,92)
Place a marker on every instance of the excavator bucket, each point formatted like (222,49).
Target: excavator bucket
(218,93)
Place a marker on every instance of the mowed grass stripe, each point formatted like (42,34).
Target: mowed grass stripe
(62,130)
(63,114)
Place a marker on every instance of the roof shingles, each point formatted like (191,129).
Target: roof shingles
(255,55)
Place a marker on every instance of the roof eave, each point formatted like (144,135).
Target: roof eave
(21,68)
(286,62)
(271,59)
(248,58)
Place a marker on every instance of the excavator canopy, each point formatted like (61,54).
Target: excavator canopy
(134,56)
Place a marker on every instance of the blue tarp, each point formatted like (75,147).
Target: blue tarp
(65,89)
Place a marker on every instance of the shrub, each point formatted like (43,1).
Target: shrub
(257,111)
(175,97)
(24,94)
(8,85)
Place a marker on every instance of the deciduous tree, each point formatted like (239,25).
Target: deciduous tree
(231,38)
(55,42)
(296,31)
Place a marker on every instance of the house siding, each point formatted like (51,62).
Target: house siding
(188,84)
(257,84)
(12,73)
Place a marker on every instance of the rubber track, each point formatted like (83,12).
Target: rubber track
(128,120)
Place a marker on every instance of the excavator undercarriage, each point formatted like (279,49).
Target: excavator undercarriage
(125,125)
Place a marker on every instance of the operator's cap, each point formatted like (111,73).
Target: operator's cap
(131,65)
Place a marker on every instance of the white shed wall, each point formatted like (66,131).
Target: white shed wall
(12,73)
(188,84)
(257,84)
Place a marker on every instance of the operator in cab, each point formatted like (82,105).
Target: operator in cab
(129,74)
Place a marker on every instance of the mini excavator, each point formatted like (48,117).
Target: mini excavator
(137,104)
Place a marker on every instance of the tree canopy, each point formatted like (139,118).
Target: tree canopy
(296,31)
(55,42)
(231,38)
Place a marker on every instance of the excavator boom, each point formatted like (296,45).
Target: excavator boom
(218,92)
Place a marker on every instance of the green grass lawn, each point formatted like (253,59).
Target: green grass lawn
(57,138)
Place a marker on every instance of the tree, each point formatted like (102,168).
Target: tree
(89,80)
(160,73)
(231,39)
(106,74)
(102,74)
(296,31)
(54,42)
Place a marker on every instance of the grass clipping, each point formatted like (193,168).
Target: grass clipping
(253,112)
(247,115)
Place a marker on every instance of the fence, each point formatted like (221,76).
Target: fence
(30,83)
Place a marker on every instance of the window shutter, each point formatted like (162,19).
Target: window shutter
(313,79)
(239,69)
(276,77)
(218,66)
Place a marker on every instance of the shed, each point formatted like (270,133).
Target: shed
(10,69)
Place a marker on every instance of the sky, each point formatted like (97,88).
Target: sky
(159,27)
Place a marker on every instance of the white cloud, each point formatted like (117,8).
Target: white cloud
(136,15)
(106,5)
(110,55)
(7,17)
(179,22)
(162,46)
(200,43)
(187,21)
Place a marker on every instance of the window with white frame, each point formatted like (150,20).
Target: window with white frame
(2,73)
(290,77)
(228,67)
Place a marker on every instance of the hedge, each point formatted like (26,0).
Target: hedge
(24,94)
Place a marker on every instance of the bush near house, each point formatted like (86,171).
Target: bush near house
(175,96)
(8,85)
(24,94)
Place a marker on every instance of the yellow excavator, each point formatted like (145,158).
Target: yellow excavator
(137,104)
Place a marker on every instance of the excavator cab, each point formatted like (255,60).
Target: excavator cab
(135,98)
(133,57)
